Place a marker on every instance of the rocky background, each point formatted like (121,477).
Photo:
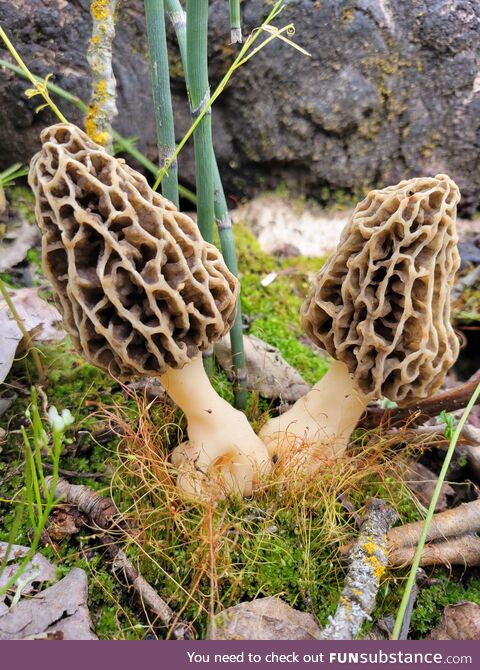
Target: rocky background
(392,90)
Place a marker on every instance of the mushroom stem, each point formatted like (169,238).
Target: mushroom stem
(317,428)
(221,442)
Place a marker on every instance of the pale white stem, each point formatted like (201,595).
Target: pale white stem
(222,448)
(317,428)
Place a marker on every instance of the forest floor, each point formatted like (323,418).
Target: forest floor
(286,541)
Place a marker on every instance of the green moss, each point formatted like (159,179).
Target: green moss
(466,309)
(274,311)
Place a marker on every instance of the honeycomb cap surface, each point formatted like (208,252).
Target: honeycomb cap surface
(381,304)
(139,289)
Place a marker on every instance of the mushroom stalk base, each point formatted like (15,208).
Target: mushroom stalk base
(317,428)
(222,449)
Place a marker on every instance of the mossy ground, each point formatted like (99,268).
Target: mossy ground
(201,558)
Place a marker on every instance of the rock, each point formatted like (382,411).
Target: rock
(391,90)
(280,224)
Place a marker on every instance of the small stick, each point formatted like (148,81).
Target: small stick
(448,401)
(463,550)
(102,107)
(368,560)
(453,522)
(102,511)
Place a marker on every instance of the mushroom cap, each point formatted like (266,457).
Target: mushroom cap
(381,304)
(139,289)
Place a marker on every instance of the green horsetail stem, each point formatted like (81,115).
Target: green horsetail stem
(199,92)
(235,23)
(162,100)
(224,223)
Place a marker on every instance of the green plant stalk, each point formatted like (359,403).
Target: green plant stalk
(227,243)
(162,100)
(125,144)
(40,86)
(235,23)
(34,483)
(431,510)
(25,333)
(199,92)
(224,225)
(242,58)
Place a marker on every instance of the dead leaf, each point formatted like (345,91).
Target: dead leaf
(264,619)
(63,522)
(17,236)
(37,571)
(267,371)
(59,610)
(459,622)
(422,482)
(39,319)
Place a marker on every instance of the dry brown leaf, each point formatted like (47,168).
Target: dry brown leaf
(39,319)
(264,619)
(459,622)
(422,482)
(17,236)
(267,371)
(61,611)
(37,571)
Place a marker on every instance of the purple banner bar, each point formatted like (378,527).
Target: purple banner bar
(237,654)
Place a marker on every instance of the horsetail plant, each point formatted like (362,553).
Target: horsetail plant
(235,23)
(162,100)
(222,218)
(199,92)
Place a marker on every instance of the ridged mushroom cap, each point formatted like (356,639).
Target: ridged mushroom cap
(381,304)
(139,289)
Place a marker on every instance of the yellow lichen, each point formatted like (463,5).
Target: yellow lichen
(102,89)
(99,136)
(370,547)
(378,568)
(95,39)
(99,10)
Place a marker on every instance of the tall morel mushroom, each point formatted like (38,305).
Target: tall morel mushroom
(142,294)
(381,308)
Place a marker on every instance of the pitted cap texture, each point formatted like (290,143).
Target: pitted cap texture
(381,304)
(139,289)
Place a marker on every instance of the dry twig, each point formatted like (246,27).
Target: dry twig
(421,411)
(451,535)
(368,560)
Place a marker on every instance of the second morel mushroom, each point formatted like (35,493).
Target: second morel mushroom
(142,294)
(381,308)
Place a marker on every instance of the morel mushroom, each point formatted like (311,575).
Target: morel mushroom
(142,294)
(381,307)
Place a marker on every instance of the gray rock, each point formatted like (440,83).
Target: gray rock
(392,90)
